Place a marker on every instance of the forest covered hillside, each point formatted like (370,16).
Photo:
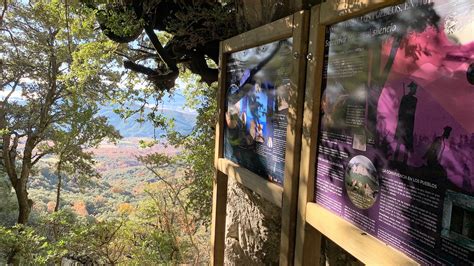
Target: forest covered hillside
(131,127)
(123,181)
(101,164)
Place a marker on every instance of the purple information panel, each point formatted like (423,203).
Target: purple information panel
(396,148)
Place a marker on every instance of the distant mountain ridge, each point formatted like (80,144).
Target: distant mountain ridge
(184,122)
(172,107)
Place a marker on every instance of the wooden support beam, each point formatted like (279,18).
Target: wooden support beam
(266,189)
(219,195)
(359,244)
(293,138)
(219,202)
(309,141)
(333,11)
(278,30)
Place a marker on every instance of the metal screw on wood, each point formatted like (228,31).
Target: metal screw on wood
(309,57)
(296,55)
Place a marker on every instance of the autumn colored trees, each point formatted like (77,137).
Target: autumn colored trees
(56,71)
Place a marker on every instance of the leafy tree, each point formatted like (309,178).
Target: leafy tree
(103,243)
(165,229)
(198,147)
(22,243)
(64,235)
(8,204)
(196,27)
(51,57)
(86,131)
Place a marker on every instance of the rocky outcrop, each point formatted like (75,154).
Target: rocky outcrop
(253,232)
(252,228)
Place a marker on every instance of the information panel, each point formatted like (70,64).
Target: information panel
(258,86)
(396,152)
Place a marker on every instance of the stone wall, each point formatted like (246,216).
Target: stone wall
(253,232)
(252,228)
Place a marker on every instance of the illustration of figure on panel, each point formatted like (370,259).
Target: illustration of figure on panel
(435,150)
(406,123)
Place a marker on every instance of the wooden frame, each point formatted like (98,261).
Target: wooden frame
(314,221)
(284,197)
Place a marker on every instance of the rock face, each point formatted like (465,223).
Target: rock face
(252,228)
(253,232)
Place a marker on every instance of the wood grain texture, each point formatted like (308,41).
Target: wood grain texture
(334,11)
(305,243)
(359,244)
(219,202)
(263,187)
(221,92)
(278,30)
(293,137)
(219,196)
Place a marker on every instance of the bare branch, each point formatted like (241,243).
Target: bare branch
(199,66)
(6,82)
(10,34)
(12,91)
(124,55)
(4,10)
(139,68)
(146,47)
(143,51)
(170,62)
(38,157)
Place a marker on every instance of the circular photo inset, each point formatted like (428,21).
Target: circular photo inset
(361,180)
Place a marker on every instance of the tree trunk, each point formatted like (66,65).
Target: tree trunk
(58,188)
(24,203)
(12,259)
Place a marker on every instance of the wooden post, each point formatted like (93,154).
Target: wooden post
(293,138)
(309,143)
(219,195)
(219,202)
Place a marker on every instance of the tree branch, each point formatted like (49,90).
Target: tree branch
(10,34)
(160,79)
(123,55)
(146,47)
(170,62)
(199,66)
(6,82)
(38,157)
(16,82)
(5,5)
(10,159)
(139,68)
(143,51)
